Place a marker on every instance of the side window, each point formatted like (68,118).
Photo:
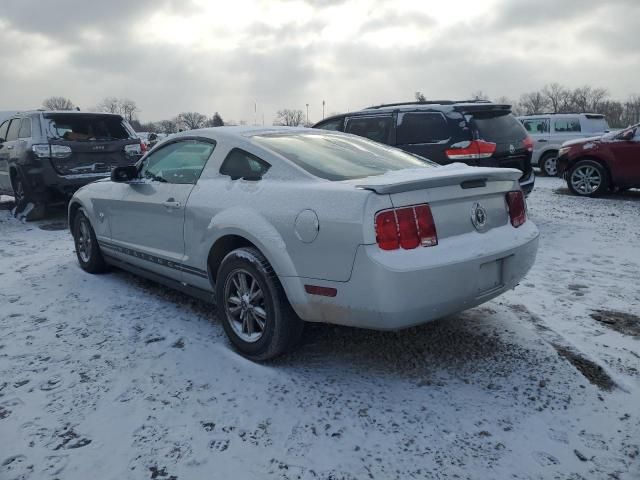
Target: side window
(536,126)
(565,125)
(373,128)
(179,162)
(241,164)
(335,124)
(14,128)
(25,128)
(421,127)
(3,130)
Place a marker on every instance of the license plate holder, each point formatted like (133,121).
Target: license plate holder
(490,277)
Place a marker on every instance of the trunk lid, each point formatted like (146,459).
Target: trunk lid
(89,144)
(454,193)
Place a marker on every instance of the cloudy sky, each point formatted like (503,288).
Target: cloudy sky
(185,55)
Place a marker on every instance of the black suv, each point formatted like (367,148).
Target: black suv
(478,133)
(45,156)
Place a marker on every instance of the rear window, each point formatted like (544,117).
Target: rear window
(335,124)
(86,127)
(421,127)
(497,128)
(339,157)
(595,124)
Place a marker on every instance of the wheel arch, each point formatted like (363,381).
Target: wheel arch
(74,206)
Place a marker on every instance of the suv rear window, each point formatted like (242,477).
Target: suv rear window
(563,125)
(421,127)
(497,128)
(373,128)
(335,156)
(86,127)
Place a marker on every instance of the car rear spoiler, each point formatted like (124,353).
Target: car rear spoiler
(483,107)
(453,174)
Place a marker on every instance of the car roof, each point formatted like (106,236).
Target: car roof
(587,115)
(431,105)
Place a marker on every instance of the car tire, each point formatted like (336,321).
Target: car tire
(253,307)
(549,164)
(588,178)
(87,248)
(25,207)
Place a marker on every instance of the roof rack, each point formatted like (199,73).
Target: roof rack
(427,102)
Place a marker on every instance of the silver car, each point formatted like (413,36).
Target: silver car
(281,226)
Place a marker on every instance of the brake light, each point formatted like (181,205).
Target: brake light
(528,143)
(517,208)
(51,151)
(472,150)
(406,228)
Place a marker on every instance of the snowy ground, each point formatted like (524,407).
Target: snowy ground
(111,377)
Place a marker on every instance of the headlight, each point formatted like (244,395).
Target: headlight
(563,151)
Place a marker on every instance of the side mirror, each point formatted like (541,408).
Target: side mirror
(124,174)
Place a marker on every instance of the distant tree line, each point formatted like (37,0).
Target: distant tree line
(557,98)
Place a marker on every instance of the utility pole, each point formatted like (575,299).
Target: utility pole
(255,113)
(307,115)
(323,109)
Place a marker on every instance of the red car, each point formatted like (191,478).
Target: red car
(592,166)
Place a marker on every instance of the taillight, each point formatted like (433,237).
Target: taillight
(517,208)
(406,228)
(528,143)
(472,150)
(133,149)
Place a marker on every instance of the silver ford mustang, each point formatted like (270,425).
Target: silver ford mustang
(279,226)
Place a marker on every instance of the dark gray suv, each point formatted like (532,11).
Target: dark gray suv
(45,156)
(478,133)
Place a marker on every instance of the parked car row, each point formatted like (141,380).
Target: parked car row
(550,131)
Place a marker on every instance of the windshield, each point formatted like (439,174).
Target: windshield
(339,157)
(86,127)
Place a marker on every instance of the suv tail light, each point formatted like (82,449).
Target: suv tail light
(406,228)
(51,151)
(517,208)
(133,149)
(528,143)
(472,150)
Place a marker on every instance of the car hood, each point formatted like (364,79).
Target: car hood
(578,141)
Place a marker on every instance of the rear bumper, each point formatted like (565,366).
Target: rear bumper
(45,184)
(400,289)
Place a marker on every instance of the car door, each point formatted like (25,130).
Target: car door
(538,130)
(5,181)
(7,154)
(147,225)
(626,161)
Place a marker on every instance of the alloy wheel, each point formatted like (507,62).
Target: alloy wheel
(551,166)
(84,240)
(245,305)
(586,179)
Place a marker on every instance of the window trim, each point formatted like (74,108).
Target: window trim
(424,112)
(153,151)
(252,156)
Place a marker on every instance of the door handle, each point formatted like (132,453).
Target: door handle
(171,203)
(9,147)
(542,140)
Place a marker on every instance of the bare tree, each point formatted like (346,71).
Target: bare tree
(58,103)
(110,105)
(168,126)
(631,114)
(128,109)
(533,103)
(290,118)
(420,97)
(191,120)
(558,97)
(479,95)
